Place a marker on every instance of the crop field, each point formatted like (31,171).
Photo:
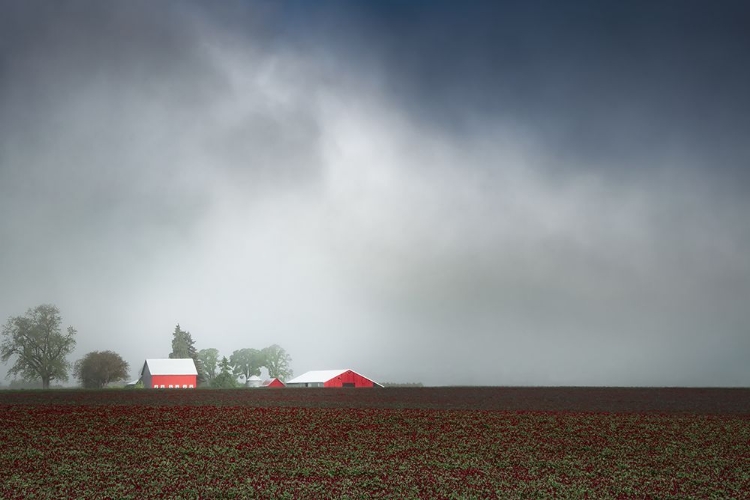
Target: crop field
(376,443)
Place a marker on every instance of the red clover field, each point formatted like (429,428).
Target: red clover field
(457,442)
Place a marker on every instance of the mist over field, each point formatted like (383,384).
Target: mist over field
(452,193)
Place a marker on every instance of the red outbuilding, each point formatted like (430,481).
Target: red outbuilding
(169,374)
(332,378)
(272,382)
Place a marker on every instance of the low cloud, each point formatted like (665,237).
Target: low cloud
(257,190)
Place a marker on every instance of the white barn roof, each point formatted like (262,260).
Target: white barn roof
(321,376)
(316,376)
(170,367)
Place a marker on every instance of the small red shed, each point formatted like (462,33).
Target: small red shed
(273,382)
(332,378)
(169,374)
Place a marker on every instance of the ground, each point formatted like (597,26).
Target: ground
(387,443)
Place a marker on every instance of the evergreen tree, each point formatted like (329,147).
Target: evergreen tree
(225,379)
(183,347)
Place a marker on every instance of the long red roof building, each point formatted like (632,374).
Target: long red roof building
(332,378)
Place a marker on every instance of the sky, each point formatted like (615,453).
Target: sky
(452,193)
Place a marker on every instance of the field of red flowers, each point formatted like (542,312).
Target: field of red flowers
(370,443)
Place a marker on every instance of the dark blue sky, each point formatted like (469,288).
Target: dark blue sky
(657,73)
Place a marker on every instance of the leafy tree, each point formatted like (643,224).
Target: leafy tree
(38,344)
(209,358)
(225,379)
(183,347)
(247,362)
(277,362)
(97,369)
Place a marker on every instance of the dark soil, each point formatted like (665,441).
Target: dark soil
(696,401)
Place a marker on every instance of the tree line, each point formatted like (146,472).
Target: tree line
(40,349)
(242,363)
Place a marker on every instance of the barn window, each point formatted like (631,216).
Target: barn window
(162,386)
(170,386)
(184,386)
(190,386)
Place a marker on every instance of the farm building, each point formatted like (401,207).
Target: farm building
(169,374)
(272,382)
(253,381)
(332,378)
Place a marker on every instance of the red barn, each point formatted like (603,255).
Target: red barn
(273,382)
(332,378)
(169,374)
